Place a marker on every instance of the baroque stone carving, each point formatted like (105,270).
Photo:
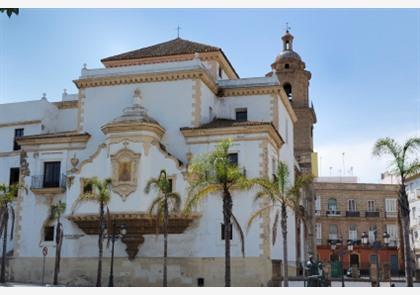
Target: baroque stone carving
(24,165)
(124,172)
(74,161)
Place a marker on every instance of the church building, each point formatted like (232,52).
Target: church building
(150,109)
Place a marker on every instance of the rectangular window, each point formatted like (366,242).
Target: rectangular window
(371,206)
(391,205)
(222,228)
(14,176)
(373,259)
(353,232)
(333,233)
(351,205)
(318,233)
(233,158)
(241,114)
(392,230)
(49,233)
(318,203)
(87,188)
(372,234)
(220,72)
(51,174)
(18,133)
(171,184)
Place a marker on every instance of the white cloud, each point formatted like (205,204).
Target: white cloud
(357,154)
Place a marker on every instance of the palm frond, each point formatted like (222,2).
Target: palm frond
(256,214)
(151,183)
(411,145)
(241,233)
(157,205)
(175,200)
(199,193)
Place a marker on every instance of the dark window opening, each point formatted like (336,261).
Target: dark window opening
(233,159)
(52,174)
(220,72)
(200,282)
(49,233)
(286,66)
(223,231)
(18,133)
(287,45)
(14,176)
(87,188)
(171,185)
(241,115)
(288,89)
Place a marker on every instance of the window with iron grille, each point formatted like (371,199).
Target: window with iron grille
(241,114)
(18,133)
(353,232)
(233,158)
(52,174)
(49,233)
(14,175)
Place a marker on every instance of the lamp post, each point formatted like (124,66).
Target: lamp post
(341,253)
(114,236)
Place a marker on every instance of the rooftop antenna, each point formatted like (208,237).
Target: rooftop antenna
(178,28)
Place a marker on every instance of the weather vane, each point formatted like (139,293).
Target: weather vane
(287,28)
(178,29)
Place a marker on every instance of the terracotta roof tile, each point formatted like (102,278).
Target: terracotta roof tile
(172,47)
(224,123)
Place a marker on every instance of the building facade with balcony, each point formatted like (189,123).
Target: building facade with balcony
(346,210)
(146,110)
(413,193)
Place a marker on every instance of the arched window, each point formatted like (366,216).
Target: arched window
(286,66)
(332,204)
(288,89)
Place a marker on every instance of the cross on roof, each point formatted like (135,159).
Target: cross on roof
(288,27)
(178,29)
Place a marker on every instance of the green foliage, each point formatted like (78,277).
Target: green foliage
(401,164)
(10,11)
(211,173)
(163,186)
(8,193)
(278,192)
(57,210)
(101,192)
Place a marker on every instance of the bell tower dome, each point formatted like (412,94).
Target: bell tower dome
(291,72)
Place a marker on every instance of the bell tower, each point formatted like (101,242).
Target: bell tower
(291,72)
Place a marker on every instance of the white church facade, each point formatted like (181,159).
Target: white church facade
(146,110)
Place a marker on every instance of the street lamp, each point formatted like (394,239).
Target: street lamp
(341,253)
(386,237)
(113,235)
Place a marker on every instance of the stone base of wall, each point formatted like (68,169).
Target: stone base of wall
(81,271)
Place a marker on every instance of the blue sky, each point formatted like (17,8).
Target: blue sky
(365,63)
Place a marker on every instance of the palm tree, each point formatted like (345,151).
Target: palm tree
(295,200)
(215,173)
(56,211)
(403,167)
(100,193)
(279,194)
(8,193)
(161,207)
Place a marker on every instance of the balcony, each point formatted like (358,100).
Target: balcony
(352,213)
(391,214)
(54,185)
(333,213)
(372,214)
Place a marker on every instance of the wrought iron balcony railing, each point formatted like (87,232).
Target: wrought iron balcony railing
(372,214)
(352,213)
(333,213)
(40,182)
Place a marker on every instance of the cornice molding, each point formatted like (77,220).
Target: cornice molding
(267,128)
(204,56)
(53,139)
(129,127)
(149,78)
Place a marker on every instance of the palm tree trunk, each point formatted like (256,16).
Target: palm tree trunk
(298,245)
(227,214)
(165,243)
(58,243)
(405,222)
(100,243)
(3,258)
(284,234)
